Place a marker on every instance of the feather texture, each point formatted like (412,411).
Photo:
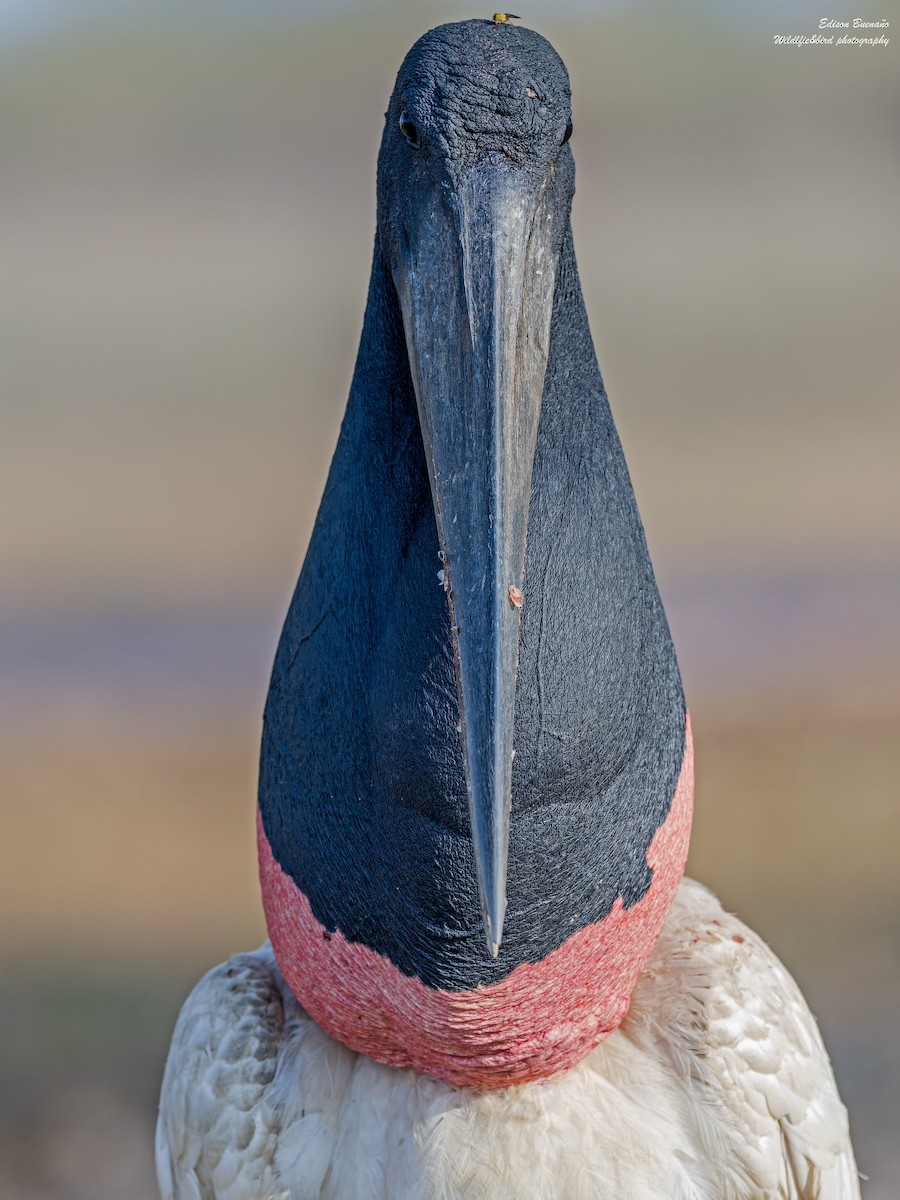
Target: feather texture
(715,1087)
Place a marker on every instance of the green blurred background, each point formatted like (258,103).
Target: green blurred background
(186,219)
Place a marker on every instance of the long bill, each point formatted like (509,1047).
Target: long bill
(476,291)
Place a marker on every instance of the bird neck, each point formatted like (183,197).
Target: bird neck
(366,857)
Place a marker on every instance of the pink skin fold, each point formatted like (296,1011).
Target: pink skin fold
(539,1020)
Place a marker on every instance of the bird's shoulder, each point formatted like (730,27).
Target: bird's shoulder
(754,1078)
(228,1127)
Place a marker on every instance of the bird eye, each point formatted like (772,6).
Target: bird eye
(567,134)
(408,129)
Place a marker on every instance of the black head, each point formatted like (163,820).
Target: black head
(470,97)
(470,91)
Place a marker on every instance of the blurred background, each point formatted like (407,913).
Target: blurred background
(186,220)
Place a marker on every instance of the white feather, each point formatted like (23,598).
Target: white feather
(715,1087)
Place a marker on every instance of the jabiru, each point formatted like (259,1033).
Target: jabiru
(486,976)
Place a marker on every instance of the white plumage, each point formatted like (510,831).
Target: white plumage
(715,1087)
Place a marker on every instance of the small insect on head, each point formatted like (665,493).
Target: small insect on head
(504,18)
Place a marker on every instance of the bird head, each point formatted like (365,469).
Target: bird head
(475,783)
